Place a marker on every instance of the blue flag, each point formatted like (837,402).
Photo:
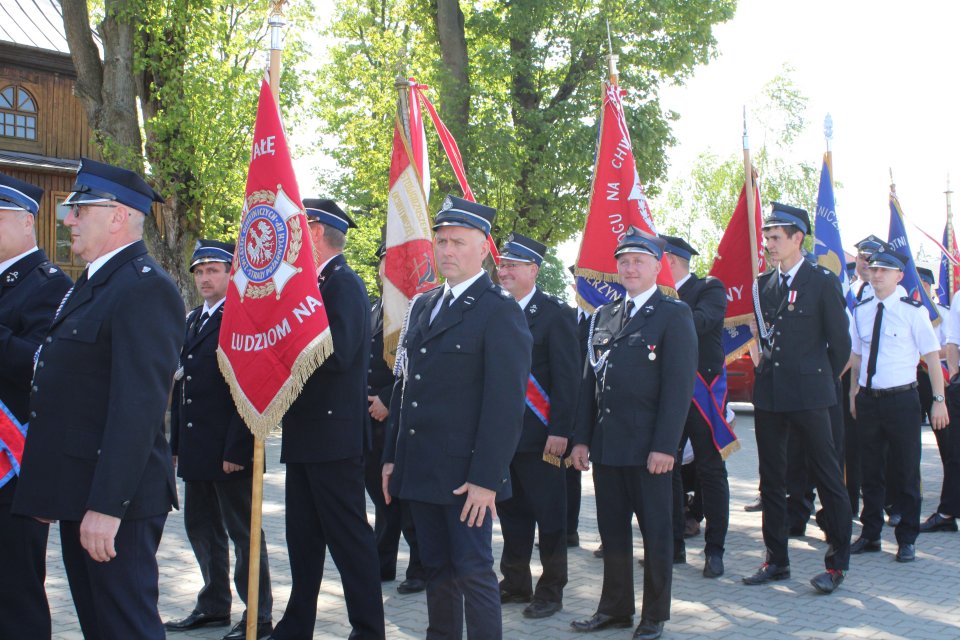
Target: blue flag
(911,279)
(827,246)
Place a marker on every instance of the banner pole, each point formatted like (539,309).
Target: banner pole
(750,192)
(951,245)
(256,501)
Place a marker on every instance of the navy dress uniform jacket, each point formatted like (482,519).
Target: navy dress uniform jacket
(707,299)
(816,329)
(205,428)
(329,420)
(30,292)
(638,405)
(458,417)
(555,364)
(100,392)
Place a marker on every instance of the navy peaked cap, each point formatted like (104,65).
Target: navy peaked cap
(457,212)
(639,241)
(885,257)
(782,215)
(17,195)
(679,247)
(212,251)
(100,182)
(523,249)
(327,212)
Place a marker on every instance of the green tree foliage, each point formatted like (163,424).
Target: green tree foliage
(699,205)
(533,71)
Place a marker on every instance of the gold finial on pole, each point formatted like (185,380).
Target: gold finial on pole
(612,58)
(893,186)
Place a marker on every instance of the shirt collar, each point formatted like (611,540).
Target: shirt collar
(325,263)
(6,264)
(898,293)
(525,300)
(211,310)
(641,298)
(682,280)
(793,271)
(94,266)
(463,286)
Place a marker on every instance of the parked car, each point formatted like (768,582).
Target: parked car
(740,377)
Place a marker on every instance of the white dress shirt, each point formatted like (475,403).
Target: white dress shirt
(94,266)
(457,291)
(6,264)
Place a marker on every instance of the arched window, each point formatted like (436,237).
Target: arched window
(18,113)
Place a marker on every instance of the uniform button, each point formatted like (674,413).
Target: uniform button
(189,378)
(416,377)
(458,346)
(74,332)
(412,432)
(189,400)
(49,339)
(423,349)
(190,357)
(189,425)
(125,504)
(33,414)
(819,370)
(778,333)
(779,317)
(776,364)
(34,388)
(776,348)
(607,410)
(369,370)
(414,404)
(98,451)
(40,364)
(616,344)
(607,388)
(329,412)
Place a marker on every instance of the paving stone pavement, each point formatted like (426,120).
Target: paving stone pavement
(880,598)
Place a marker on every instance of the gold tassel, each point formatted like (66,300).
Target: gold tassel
(729,449)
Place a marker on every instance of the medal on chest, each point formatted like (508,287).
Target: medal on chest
(653,352)
(791,299)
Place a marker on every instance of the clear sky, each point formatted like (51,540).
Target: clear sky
(885,70)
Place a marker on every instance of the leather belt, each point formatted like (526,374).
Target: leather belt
(892,391)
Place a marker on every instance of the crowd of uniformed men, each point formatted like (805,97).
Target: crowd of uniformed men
(504,396)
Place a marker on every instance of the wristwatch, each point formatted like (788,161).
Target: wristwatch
(938,398)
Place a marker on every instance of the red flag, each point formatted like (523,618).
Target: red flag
(617,200)
(410,268)
(274,332)
(732,264)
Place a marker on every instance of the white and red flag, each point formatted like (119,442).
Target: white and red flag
(410,267)
(274,332)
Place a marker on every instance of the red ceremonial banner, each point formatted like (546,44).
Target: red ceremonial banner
(617,200)
(274,332)
(732,264)
(410,266)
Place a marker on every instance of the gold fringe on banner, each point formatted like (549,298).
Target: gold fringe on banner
(390,343)
(730,448)
(309,360)
(597,275)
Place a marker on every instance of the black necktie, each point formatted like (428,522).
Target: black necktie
(447,298)
(627,313)
(784,286)
(874,346)
(198,325)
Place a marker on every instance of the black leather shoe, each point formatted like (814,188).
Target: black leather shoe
(509,597)
(680,556)
(598,552)
(768,573)
(862,545)
(196,620)
(713,567)
(648,630)
(798,532)
(541,609)
(894,519)
(756,505)
(601,621)
(828,581)
(411,585)
(573,539)
(907,553)
(937,522)
(239,631)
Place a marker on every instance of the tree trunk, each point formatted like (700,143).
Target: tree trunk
(455,87)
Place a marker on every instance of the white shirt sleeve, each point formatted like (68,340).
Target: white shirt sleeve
(924,333)
(855,345)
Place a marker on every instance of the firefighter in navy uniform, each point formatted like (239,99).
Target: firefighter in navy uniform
(97,458)
(643,359)
(456,417)
(31,288)
(537,474)
(805,344)
(707,299)
(325,437)
(391,519)
(213,453)
(890,328)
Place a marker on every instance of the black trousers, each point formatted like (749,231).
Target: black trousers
(461,582)
(622,492)
(890,439)
(325,507)
(539,501)
(948,441)
(116,600)
(390,519)
(24,612)
(714,488)
(574,494)
(214,514)
(772,432)
(851,449)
